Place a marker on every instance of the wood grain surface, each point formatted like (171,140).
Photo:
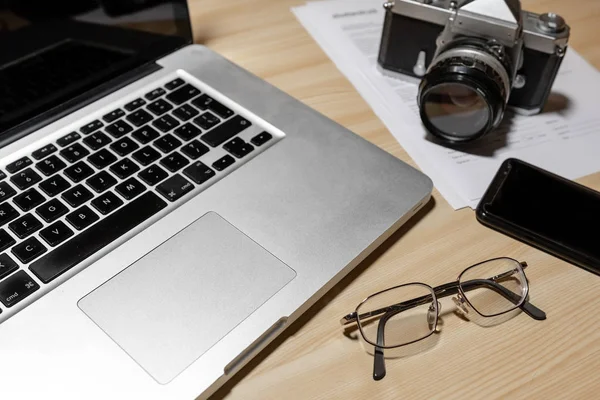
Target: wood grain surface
(313,359)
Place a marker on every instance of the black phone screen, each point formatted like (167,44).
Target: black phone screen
(549,206)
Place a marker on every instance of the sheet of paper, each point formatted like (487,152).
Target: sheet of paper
(563,139)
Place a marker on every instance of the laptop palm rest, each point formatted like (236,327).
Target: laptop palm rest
(176,302)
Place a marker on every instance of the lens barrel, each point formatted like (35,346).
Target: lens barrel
(464,94)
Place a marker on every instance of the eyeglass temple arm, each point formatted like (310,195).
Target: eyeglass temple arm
(450,289)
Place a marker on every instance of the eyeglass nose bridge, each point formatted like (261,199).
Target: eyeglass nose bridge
(461,304)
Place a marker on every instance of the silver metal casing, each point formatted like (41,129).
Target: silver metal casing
(319,200)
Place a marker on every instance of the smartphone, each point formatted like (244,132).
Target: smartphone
(544,210)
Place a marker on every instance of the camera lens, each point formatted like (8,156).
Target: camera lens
(457,109)
(465,91)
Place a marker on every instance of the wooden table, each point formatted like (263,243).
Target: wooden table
(523,358)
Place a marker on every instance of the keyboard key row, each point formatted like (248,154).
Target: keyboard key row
(88,242)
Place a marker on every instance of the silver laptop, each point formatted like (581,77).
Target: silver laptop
(164,213)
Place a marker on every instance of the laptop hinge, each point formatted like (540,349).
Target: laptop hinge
(76,103)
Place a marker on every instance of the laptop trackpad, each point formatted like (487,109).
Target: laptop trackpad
(177,301)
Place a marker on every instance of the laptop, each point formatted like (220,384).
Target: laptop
(164,214)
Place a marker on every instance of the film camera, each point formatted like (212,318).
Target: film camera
(474,57)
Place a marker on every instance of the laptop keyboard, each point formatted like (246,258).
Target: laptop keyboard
(70,198)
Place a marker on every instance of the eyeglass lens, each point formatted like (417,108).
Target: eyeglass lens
(398,316)
(495,286)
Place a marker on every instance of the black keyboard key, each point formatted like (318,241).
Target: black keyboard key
(44,151)
(145,135)
(146,156)
(140,117)
(152,175)
(175,83)
(97,140)
(28,250)
(7,213)
(165,123)
(159,107)
(6,240)
(74,152)
(78,172)
(55,185)
(107,203)
(130,188)
(50,165)
(194,149)
(207,120)
(167,143)
(205,102)
(225,131)
(124,146)
(261,138)
(91,127)
(2,175)
(101,181)
(118,129)
(25,178)
(185,112)
(102,158)
(238,147)
(183,94)
(68,139)
(29,199)
(124,168)
(25,225)
(6,191)
(77,195)
(187,132)
(82,218)
(155,94)
(199,172)
(174,162)
(17,288)
(98,236)
(175,187)
(56,233)
(52,210)
(135,104)
(7,265)
(113,115)
(18,165)
(223,162)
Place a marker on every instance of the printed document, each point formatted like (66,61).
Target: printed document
(564,138)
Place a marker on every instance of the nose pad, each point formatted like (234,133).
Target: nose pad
(460,305)
(431,315)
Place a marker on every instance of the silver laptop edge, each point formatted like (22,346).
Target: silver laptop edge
(320,200)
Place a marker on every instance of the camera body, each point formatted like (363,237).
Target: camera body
(521,51)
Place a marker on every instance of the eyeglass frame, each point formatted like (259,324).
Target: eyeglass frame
(447,289)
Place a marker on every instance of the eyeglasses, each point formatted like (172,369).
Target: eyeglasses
(407,313)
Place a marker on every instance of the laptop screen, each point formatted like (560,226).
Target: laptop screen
(55,53)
